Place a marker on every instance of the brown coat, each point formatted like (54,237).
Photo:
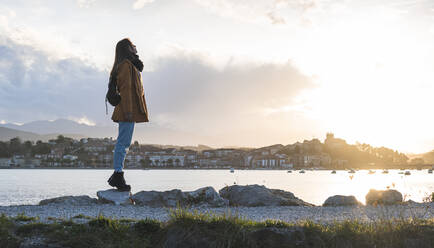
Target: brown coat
(130,87)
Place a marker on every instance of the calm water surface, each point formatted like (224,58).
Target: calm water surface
(22,186)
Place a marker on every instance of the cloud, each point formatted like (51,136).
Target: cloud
(33,85)
(85,3)
(83,120)
(260,10)
(183,92)
(5,15)
(138,4)
(193,95)
(275,19)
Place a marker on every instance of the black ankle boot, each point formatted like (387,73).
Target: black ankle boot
(117,180)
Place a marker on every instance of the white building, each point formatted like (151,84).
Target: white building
(312,160)
(134,158)
(208,162)
(167,160)
(70,157)
(317,160)
(5,162)
(95,148)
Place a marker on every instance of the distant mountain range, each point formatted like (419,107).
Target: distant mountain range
(64,127)
(9,133)
(144,133)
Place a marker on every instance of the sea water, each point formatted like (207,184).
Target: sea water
(29,186)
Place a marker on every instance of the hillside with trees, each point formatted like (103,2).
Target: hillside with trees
(359,155)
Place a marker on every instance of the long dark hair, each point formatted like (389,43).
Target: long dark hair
(122,52)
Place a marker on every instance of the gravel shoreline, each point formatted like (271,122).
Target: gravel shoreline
(288,214)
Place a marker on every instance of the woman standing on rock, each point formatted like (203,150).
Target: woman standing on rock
(131,108)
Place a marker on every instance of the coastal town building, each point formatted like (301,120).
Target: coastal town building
(208,162)
(5,162)
(166,160)
(317,160)
(70,157)
(190,157)
(340,163)
(98,153)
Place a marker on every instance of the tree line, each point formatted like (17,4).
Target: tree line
(16,146)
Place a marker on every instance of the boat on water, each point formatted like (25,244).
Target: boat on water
(351,171)
(334,172)
(289,171)
(232,170)
(370,172)
(385,171)
(407,173)
(301,171)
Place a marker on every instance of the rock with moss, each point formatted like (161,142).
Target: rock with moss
(81,200)
(383,197)
(258,195)
(341,200)
(114,196)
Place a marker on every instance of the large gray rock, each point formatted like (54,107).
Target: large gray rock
(169,198)
(258,195)
(341,200)
(383,197)
(172,198)
(206,196)
(115,197)
(81,200)
(148,198)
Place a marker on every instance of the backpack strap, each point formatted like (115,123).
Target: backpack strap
(106,109)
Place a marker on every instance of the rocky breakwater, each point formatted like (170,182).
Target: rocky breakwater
(203,197)
(235,195)
(206,197)
(258,195)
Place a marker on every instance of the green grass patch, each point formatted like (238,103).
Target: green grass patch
(23,217)
(82,216)
(186,228)
(7,238)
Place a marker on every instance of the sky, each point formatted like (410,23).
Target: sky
(253,73)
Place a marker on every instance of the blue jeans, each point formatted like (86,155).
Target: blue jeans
(123,142)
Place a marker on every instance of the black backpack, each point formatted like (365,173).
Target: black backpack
(112,95)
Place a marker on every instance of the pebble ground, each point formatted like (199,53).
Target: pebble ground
(288,214)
